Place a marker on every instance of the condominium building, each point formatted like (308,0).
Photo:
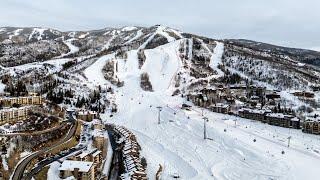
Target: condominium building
(254,114)
(25,100)
(283,120)
(13,114)
(131,155)
(80,170)
(93,155)
(220,108)
(97,124)
(101,142)
(86,115)
(311,125)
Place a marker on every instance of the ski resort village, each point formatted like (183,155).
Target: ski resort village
(155,103)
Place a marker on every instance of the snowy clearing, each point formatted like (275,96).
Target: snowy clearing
(2,86)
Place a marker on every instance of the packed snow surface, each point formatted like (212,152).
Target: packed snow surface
(37,33)
(236,148)
(94,72)
(138,35)
(129,28)
(53,172)
(72,48)
(249,150)
(216,58)
(15,33)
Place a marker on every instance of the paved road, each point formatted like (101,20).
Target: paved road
(20,168)
(115,164)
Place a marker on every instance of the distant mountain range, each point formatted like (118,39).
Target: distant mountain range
(18,35)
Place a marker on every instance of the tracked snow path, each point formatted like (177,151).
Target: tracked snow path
(216,58)
(161,31)
(94,72)
(177,143)
(162,64)
(139,34)
(72,48)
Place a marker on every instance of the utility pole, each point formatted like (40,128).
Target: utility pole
(160,109)
(205,119)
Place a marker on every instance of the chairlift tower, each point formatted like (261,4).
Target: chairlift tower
(289,138)
(160,109)
(205,120)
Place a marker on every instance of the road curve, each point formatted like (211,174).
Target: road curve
(20,168)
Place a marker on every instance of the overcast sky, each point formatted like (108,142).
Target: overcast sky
(284,22)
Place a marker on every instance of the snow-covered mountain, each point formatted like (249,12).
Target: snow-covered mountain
(137,69)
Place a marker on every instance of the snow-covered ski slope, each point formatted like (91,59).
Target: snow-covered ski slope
(216,58)
(72,48)
(250,150)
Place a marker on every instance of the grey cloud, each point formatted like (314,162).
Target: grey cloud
(285,22)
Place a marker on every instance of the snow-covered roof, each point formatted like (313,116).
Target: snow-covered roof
(13,109)
(279,115)
(195,93)
(238,85)
(254,97)
(97,133)
(96,121)
(312,119)
(295,119)
(220,105)
(20,97)
(70,109)
(255,111)
(87,152)
(86,112)
(209,88)
(69,165)
(96,153)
